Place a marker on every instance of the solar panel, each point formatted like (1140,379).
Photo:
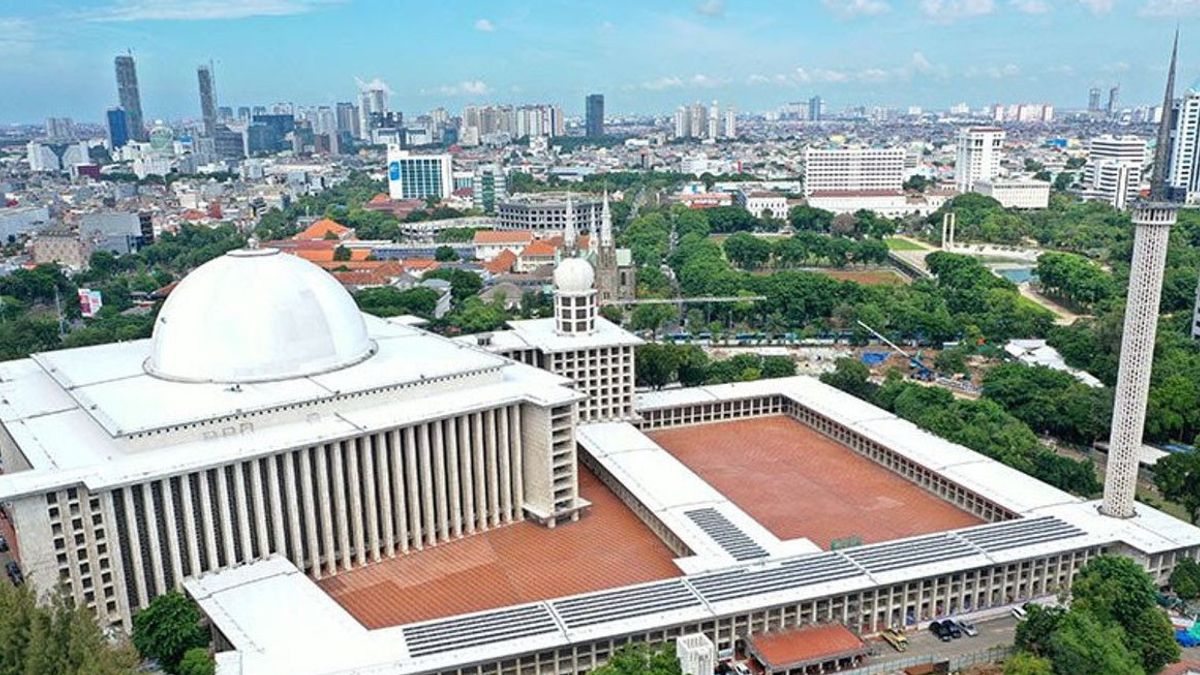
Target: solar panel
(795,573)
(728,536)
(892,556)
(624,603)
(480,629)
(1016,533)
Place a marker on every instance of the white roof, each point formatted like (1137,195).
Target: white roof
(541,334)
(253,315)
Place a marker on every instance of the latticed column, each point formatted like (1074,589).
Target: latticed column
(1153,223)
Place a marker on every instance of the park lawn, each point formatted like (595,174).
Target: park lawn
(896,244)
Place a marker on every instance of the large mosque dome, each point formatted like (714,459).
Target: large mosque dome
(254,315)
(574,275)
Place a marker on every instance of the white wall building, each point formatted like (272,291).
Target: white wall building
(1114,169)
(1016,193)
(1183,175)
(978,158)
(413,176)
(853,169)
(887,203)
(763,204)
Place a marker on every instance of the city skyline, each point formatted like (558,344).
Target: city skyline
(645,60)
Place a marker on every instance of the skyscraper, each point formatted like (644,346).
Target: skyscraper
(1114,97)
(595,115)
(1152,221)
(208,99)
(1183,168)
(979,151)
(129,97)
(118,128)
(1094,99)
(815,108)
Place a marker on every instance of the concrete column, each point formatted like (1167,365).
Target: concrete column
(135,547)
(315,557)
(383,475)
(189,523)
(503,452)
(339,508)
(260,511)
(412,472)
(352,450)
(481,473)
(156,561)
(244,512)
(173,533)
(320,455)
(518,462)
(120,582)
(274,478)
(207,523)
(429,517)
(400,499)
(293,506)
(464,472)
(493,473)
(226,519)
(437,447)
(455,484)
(369,448)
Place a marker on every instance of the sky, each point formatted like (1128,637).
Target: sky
(645,56)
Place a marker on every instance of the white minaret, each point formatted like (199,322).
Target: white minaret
(1152,221)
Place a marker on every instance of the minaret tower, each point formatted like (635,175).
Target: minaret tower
(1152,221)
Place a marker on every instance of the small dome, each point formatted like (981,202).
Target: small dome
(254,315)
(574,275)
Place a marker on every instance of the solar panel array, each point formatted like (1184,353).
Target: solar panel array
(893,556)
(1024,532)
(785,575)
(480,629)
(728,536)
(625,603)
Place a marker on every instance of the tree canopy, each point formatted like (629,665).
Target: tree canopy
(55,638)
(167,628)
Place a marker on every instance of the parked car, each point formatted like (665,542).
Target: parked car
(14,573)
(741,668)
(967,628)
(3,544)
(951,626)
(1019,613)
(940,631)
(896,639)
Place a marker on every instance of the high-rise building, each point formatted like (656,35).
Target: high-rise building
(1152,221)
(243,113)
(730,123)
(60,129)
(208,98)
(118,127)
(595,115)
(129,96)
(714,121)
(1183,167)
(853,169)
(412,176)
(1114,98)
(816,109)
(1094,99)
(224,113)
(978,157)
(488,187)
(347,118)
(693,121)
(1114,169)
(539,120)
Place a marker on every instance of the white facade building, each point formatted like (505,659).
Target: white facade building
(978,158)
(1183,174)
(1114,170)
(763,204)
(887,203)
(853,169)
(413,176)
(1016,193)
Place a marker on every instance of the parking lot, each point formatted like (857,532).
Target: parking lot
(998,631)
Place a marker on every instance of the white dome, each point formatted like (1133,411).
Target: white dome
(574,275)
(254,315)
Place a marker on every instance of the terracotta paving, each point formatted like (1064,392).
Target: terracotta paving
(518,563)
(805,645)
(798,483)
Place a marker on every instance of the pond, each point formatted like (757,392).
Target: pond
(1017,275)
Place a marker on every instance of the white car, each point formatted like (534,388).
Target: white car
(741,668)
(967,627)
(1019,613)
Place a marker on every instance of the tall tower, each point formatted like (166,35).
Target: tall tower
(595,115)
(1152,221)
(208,98)
(607,280)
(129,96)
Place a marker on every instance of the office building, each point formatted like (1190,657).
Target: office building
(208,99)
(978,158)
(547,213)
(1094,99)
(55,157)
(539,120)
(488,187)
(129,96)
(594,125)
(816,109)
(1114,96)
(1016,193)
(347,119)
(413,176)
(60,129)
(1183,175)
(853,169)
(372,105)
(118,128)
(1023,112)
(1114,169)
(730,123)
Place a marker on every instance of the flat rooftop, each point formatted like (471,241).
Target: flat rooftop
(798,483)
(511,565)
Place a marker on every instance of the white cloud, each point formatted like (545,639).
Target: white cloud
(374,83)
(1097,6)
(1117,67)
(711,7)
(485,25)
(465,88)
(200,10)
(1030,6)
(849,9)
(662,83)
(920,63)
(17,36)
(946,11)
(1170,8)
(994,72)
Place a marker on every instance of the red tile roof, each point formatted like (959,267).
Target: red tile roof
(502,237)
(783,650)
(323,227)
(501,263)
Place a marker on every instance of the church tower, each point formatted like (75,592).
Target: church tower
(606,257)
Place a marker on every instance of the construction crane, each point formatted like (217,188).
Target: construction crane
(924,372)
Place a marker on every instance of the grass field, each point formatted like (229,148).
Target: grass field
(896,244)
(867,277)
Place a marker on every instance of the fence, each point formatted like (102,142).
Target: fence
(957,663)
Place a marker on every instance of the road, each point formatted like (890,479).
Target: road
(993,632)
(1062,315)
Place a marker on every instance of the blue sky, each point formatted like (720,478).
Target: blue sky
(644,55)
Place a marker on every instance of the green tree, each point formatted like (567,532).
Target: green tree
(167,628)
(656,364)
(463,283)
(850,375)
(197,661)
(1177,477)
(640,660)
(1185,579)
(445,254)
(1115,589)
(387,301)
(55,638)
(341,254)
(1022,663)
(613,313)
(951,361)
(809,218)
(1034,632)
(778,366)
(747,251)
(651,317)
(1083,644)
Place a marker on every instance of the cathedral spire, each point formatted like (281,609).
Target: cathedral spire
(606,233)
(1162,155)
(569,232)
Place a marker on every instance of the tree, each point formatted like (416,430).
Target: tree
(1034,632)
(1083,644)
(640,660)
(747,251)
(850,375)
(778,366)
(341,254)
(167,628)
(1185,579)
(656,364)
(197,661)
(1177,477)
(613,313)
(1022,663)
(951,361)
(55,638)
(387,301)
(463,283)
(1115,589)
(809,218)
(445,254)
(651,317)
